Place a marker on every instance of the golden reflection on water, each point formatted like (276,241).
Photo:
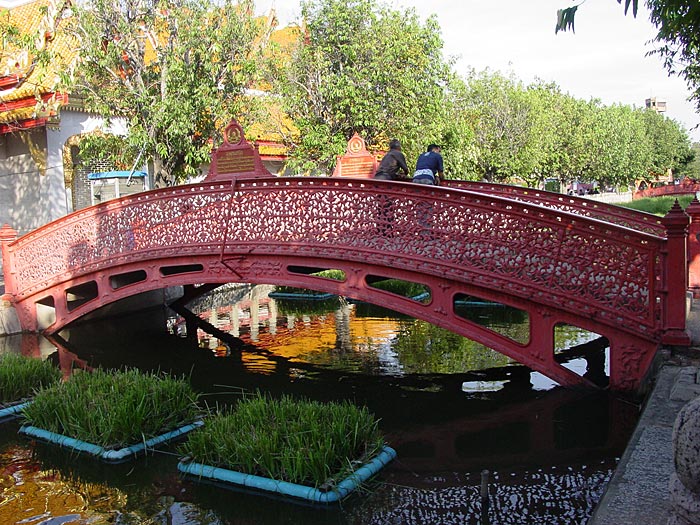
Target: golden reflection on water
(32,495)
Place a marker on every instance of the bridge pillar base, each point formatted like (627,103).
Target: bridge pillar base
(676,337)
(9,322)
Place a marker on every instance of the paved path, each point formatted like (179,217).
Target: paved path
(638,492)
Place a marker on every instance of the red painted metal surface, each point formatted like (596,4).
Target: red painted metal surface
(557,266)
(236,157)
(693,210)
(685,187)
(357,162)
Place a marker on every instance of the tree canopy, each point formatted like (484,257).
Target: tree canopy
(528,134)
(359,66)
(175,70)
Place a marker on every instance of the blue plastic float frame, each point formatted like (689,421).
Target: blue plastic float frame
(109,456)
(301,296)
(12,412)
(314,495)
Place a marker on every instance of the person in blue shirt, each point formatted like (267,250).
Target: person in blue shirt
(429,167)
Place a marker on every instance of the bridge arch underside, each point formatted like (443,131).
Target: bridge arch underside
(630,353)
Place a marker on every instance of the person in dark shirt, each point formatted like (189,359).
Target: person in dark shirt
(429,167)
(392,164)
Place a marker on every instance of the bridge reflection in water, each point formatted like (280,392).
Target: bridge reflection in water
(339,338)
(551,450)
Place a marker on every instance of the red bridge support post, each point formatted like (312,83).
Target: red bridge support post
(693,210)
(7,235)
(676,222)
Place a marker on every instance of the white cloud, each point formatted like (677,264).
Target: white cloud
(604,59)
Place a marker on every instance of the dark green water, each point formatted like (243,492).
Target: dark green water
(448,406)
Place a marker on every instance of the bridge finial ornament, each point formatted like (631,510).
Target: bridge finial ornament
(7,233)
(236,158)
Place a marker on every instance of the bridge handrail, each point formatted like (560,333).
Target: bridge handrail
(520,247)
(620,215)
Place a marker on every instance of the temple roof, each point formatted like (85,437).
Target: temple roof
(28,96)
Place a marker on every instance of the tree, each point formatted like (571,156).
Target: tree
(359,66)
(692,169)
(502,118)
(670,147)
(678,22)
(175,70)
(457,135)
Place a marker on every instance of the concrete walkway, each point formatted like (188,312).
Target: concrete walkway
(638,493)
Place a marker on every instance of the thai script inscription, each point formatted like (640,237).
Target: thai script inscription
(240,161)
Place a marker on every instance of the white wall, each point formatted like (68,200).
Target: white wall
(72,123)
(29,196)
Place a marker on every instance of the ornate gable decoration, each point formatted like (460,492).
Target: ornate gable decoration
(357,161)
(235,158)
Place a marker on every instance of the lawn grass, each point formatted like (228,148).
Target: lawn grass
(658,205)
(400,287)
(113,409)
(336,275)
(299,441)
(308,307)
(20,376)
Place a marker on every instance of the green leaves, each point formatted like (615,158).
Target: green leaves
(566,16)
(633,3)
(361,67)
(512,133)
(565,19)
(178,71)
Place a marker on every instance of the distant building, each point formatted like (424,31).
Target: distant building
(657,105)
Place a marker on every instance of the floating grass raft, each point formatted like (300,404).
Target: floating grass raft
(20,377)
(113,415)
(319,452)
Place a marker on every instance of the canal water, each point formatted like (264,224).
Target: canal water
(450,407)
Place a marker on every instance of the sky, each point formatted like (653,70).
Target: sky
(604,59)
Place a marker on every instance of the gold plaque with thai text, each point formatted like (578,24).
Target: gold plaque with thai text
(237,161)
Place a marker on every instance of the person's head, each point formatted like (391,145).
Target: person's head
(433,147)
(394,144)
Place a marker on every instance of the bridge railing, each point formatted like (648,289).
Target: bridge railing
(619,215)
(612,273)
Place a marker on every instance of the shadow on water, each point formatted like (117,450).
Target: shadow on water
(449,409)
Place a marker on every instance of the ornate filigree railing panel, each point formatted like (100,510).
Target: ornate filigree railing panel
(619,215)
(552,257)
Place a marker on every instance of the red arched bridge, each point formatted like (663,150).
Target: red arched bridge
(561,259)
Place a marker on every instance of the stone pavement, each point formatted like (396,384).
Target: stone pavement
(638,493)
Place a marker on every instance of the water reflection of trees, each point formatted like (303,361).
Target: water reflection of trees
(316,307)
(425,348)
(507,321)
